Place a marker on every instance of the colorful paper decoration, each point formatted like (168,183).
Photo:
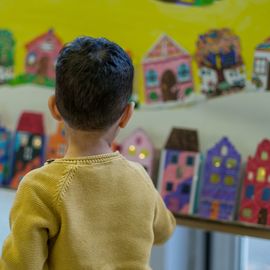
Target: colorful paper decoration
(179,169)
(57,143)
(139,148)
(220,182)
(191,2)
(167,72)
(220,62)
(40,60)
(28,148)
(5,139)
(261,69)
(255,197)
(7,46)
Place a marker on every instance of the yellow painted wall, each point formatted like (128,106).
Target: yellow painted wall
(135,24)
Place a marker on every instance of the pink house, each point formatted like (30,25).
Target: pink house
(167,72)
(179,169)
(42,54)
(139,148)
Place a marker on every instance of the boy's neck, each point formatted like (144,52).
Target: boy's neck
(89,143)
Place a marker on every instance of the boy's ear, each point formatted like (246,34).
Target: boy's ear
(53,108)
(127,115)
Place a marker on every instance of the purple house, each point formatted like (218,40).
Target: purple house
(220,182)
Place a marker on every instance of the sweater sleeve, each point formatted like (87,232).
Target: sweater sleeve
(164,222)
(32,223)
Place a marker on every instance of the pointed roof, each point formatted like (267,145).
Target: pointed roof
(49,35)
(183,139)
(31,122)
(164,48)
(265,46)
(139,132)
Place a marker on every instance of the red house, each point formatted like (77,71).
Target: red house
(41,55)
(255,199)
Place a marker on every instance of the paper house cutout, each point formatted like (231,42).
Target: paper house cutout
(7,46)
(255,197)
(179,169)
(167,72)
(261,68)
(57,143)
(220,62)
(139,148)
(190,2)
(220,182)
(42,54)
(28,149)
(5,140)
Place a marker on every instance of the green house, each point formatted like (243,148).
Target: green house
(7,45)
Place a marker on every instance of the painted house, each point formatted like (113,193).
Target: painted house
(255,199)
(7,46)
(57,143)
(220,182)
(261,68)
(139,148)
(5,138)
(179,169)
(28,152)
(42,54)
(221,67)
(167,72)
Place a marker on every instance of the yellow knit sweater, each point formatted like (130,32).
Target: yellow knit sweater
(99,212)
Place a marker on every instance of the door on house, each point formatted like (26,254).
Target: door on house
(168,83)
(262,218)
(43,66)
(268,77)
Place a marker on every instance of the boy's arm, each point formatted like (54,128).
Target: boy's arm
(164,222)
(32,223)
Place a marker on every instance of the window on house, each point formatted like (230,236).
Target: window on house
(250,192)
(261,173)
(216,161)
(224,150)
(264,155)
(260,66)
(231,163)
(174,159)
(169,186)
(247,212)
(215,178)
(190,161)
(37,142)
(266,194)
(185,189)
(31,59)
(183,73)
(132,150)
(179,172)
(229,180)
(151,78)
(250,176)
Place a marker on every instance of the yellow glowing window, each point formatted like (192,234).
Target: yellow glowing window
(229,180)
(37,142)
(247,213)
(264,155)
(216,162)
(231,163)
(215,178)
(261,173)
(132,150)
(224,150)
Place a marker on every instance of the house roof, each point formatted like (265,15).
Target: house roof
(49,35)
(164,48)
(183,139)
(265,46)
(31,122)
(135,133)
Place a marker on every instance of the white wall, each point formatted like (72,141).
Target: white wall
(244,117)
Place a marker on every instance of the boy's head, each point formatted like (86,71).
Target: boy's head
(94,80)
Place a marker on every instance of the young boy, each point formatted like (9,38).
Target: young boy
(92,209)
